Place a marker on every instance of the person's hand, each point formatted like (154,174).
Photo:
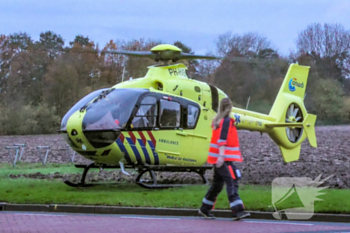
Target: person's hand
(220,161)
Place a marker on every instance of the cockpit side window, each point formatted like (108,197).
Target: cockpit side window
(146,116)
(170,113)
(192,116)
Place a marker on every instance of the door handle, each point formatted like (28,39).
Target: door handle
(197,135)
(181,133)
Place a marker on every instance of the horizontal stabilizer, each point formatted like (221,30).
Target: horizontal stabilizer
(308,125)
(272,125)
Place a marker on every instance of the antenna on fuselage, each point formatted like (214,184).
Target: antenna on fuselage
(123,74)
(247,103)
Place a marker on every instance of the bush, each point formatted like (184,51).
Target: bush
(261,106)
(346,109)
(28,119)
(328,102)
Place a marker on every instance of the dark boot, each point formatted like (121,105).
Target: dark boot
(240,215)
(206,214)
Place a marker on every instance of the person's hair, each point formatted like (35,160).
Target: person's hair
(225,109)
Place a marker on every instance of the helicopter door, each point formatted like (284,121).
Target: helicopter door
(169,144)
(196,122)
(142,128)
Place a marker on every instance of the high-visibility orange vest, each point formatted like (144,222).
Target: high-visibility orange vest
(225,135)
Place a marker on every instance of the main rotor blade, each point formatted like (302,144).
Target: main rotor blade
(176,55)
(132,53)
(193,56)
(166,55)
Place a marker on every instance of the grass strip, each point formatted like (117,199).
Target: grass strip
(26,168)
(258,198)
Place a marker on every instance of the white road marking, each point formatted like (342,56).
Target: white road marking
(274,222)
(42,214)
(151,218)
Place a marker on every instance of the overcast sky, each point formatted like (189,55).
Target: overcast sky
(197,23)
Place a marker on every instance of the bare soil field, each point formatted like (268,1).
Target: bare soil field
(262,159)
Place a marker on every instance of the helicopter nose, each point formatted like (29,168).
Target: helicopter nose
(101,138)
(100,130)
(80,137)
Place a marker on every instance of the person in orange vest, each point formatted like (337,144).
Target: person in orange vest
(223,152)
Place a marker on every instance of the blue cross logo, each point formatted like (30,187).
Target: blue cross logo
(237,119)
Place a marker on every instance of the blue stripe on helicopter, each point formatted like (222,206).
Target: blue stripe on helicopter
(145,152)
(123,149)
(134,149)
(156,159)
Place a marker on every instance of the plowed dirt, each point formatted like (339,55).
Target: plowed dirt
(262,159)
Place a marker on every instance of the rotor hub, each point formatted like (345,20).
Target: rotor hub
(292,119)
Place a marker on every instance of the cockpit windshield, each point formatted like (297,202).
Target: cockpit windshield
(112,109)
(79,104)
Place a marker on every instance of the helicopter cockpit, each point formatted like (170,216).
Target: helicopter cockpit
(111,110)
(108,112)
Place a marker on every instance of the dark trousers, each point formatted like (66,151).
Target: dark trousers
(226,174)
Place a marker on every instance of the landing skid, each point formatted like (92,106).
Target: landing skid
(143,169)
(82,181)
(152,184)
(83,177)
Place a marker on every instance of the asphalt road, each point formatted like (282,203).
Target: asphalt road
(51,222)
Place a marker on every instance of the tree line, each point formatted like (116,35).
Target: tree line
(41,80)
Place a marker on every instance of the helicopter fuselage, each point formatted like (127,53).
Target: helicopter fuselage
(161,119)
(165,118)
(162,122)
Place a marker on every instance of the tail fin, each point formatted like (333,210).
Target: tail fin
(293,124)
(292,90)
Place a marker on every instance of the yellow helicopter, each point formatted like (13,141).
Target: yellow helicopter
(162,122)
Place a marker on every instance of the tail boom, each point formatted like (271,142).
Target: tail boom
(288,123)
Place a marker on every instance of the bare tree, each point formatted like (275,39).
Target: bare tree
(247,45)
(207,68)
(244,78)
(326,40)
(112,64)
(329,46)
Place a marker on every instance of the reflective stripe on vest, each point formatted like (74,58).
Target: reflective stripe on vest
(226,147)
(226,156)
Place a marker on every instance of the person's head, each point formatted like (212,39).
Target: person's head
(225,109)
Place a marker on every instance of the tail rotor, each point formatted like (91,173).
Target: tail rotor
(294,115)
